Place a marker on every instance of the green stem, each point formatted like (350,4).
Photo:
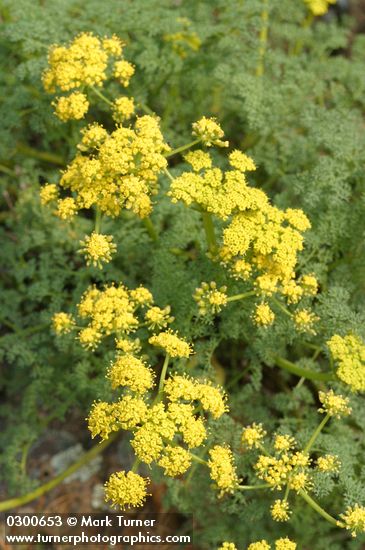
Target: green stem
(264,31)
(136,463)
(316,433)
(101,95)
(85,459)
(98,216)
(241,296)
(7,170)
(253,487)
(280,306)
(198,459)
(41,155)
(299,371)
(183,148)
(209,231)
(163,376)
(145,108)
(168,174)
(150,229)
(316,507)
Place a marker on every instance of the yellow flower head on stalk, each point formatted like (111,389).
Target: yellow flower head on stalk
(141,296)
(209,131)
(82,63)
(48,193)
(241,269)
(280,510)
(126,490)
(113,45)
(253,435)
(89,338)
(66,208)
(300,481)
(130,411)
(157,318)
(349,353)
(172,344)
(175,460)
(212,399)
(193,432)
(334,405)
(72,107)
(319,7)
(259,545)
(285,544)
(123,71)
(101,420)
(198,160)
(304,320)
(180,387)
(131,372)
(98,249)
(126,345)
(92,137)
(309,284)
(328,463)
(123,108)
(264,315)
(147,443)
(241,162)
(284,443)
(209,298)
(353,519)
(228,546)
(121,171)
(63,322)
(110,310)
(222,469)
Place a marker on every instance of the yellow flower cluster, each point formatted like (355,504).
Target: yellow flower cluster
(123,71)
(319,7)
(228,546)
(280,510)
(209,298)
(354,519)
(123,109)
(81,64)
(263,315)
(98,249)
(48,193)
(185,40)
(212,398)
(163,433)
(158,318)
(131,372)
(222,469)
(260,240)
(334,405)
(304,320)
(121,170)
(349,352)
(280,544)
(328,463)
(73,107)
(286,468)
(171,343)
(209,132)
(126,490)
(66,208)
(63,322)
(117,310)
(253,435)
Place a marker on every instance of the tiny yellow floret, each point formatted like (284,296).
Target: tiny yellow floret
(126,490)
(334,405)
(98,249)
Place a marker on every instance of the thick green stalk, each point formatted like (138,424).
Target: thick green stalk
(98,216)
(198,459)
(163,376)
(241,296)
(317,508)
(301,372)
(85,459)
(101,95)
(183,148)
(316,433)
(151,230)
(264,31)
(209,231)
(253,487)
